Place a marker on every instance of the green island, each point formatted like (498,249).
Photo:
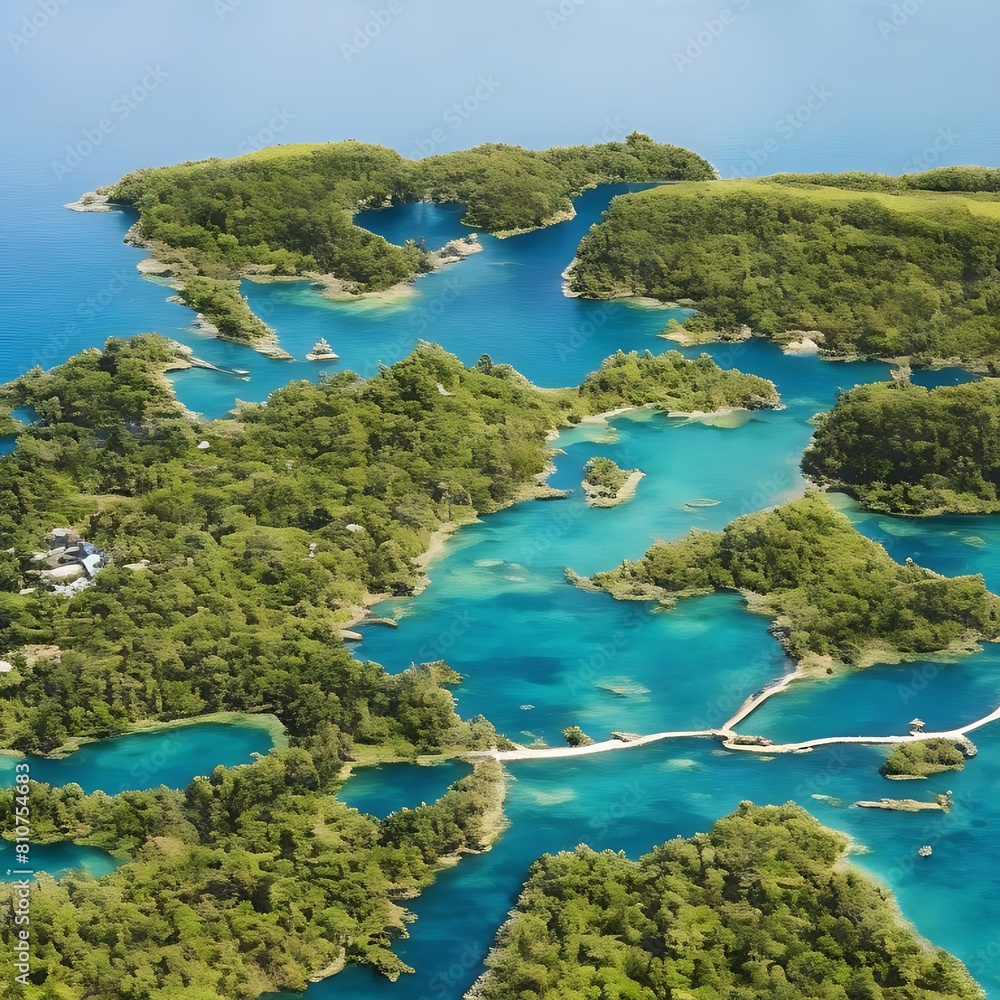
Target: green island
(903,449)
(923,758)
(606,484)
(837,597)
(287,211)
(238,549)
(851,264)
(671,382)
(763,905)
(576,737)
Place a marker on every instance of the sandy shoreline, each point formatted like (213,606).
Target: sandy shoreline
(437,545)
(337,289)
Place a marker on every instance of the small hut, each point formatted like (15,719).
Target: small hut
(917,726)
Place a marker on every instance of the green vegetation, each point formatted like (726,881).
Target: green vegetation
(922,758)
(576,737)
(945,179)
(251,880)
(226,309)
(834,593)
(603,474)
(761,906)
(670,382)
(255,878)
(9,426)
(879,266)
(288,211)
(904,449)
(236,615)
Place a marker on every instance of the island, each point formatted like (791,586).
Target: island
(846,264)
(836,597)
(237,551)
(322,351)
(607,485)
(762,905)
(287,213)
(903,449)
(924,758)
(941,803)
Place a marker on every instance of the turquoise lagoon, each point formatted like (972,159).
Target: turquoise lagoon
(380,790)
(537,654)
(57,860)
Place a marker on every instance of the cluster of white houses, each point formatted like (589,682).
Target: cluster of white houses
(69,558)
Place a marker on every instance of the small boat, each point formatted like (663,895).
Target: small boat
(322,352)
(925,851)
(702,503)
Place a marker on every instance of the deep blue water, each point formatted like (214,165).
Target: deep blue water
(56,860)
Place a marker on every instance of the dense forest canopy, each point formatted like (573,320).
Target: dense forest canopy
(877,266)
(834,592)
(908,450)
(761,906)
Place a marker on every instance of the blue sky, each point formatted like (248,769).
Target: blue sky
(716,76)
